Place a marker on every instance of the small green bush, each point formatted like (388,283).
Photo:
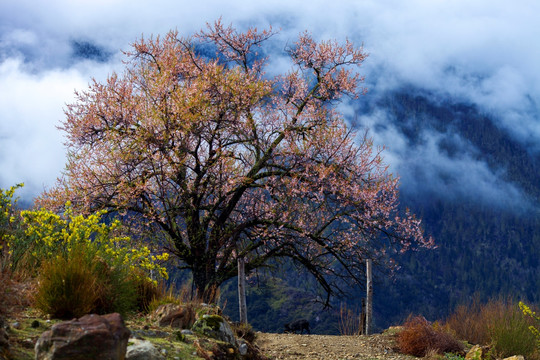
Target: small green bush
(116,288)
(510,334)
(81,283)
(147,291)
(244,331)
(67,287)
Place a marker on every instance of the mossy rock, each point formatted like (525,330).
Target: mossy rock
(208,310)
(215,327)
(478,352)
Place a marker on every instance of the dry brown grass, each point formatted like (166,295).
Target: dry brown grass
(349,321)
(469,323)
(419,338)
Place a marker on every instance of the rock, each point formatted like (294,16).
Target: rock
(142,350)
(515,357)
(90,337)
(393,330)
(205,309)
(216,327)
(477,352)
(243,348)
(175,316)
(27,343)
(141,334)
(186,332)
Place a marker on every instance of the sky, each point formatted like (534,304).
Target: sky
(483,52)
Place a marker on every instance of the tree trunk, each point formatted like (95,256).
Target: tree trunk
(242,290)
(206,288)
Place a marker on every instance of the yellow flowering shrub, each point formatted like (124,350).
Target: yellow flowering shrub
(53,235)
(83,263)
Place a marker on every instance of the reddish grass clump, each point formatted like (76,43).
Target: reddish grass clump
(15,293)
(419,338)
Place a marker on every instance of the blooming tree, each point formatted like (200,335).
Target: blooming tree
(224,161)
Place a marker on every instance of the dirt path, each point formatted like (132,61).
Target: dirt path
(329,347)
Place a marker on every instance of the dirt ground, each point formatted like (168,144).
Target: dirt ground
(329,347)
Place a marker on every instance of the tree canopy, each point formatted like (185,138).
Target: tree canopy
(221,160)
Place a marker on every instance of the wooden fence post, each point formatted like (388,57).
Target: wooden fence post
(242,290)
(369,296)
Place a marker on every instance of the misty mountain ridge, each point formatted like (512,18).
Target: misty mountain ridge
(452,150)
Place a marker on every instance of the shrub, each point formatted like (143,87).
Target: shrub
(147,291)
(116,287)
(52,235)
(67,287)
(10,229)
(168,295)
(420,338)
(467,323)
(509,332)
(82,283)
(350,322)
(90,255)
(172,295)
(244,331)
(498,323)
(535,330)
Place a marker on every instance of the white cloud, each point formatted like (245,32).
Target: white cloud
(31,106)
(481,51)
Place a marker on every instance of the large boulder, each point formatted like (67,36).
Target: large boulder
(93,336)
(142,350)
(175,316)
(215,327)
